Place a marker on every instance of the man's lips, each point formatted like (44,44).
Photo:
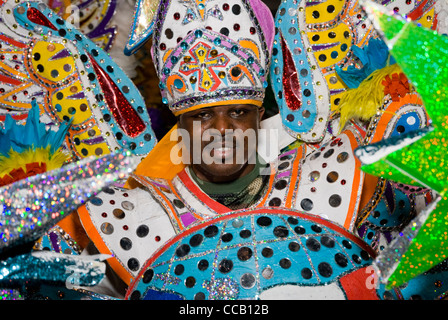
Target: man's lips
(222,152)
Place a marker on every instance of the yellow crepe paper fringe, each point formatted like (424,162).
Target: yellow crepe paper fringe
(158,164)
(17,160)
(363,102)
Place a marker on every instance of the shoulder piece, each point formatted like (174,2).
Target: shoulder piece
(183,202)
(129,225)
(284,175)
(330,181)
(390,208)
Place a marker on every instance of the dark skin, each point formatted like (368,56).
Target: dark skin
(230,117)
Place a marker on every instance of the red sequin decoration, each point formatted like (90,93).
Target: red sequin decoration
(37,17)
(397,86)
(125,115)
(32,169)
(291,84)
(335,142)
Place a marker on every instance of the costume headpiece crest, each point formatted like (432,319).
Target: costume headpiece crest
(208,51)
(316,42)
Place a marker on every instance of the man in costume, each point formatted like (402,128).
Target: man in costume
(212,59)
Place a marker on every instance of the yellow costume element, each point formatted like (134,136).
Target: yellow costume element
(32,161)
(363,102)
(158,164)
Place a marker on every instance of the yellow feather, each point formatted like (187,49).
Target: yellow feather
(364,101)
(18,160)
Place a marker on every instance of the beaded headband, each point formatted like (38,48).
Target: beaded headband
(207,52)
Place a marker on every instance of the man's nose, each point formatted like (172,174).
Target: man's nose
(222,123)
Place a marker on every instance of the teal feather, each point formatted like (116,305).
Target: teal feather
(32,135)
(374,56)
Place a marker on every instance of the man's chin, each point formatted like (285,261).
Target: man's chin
(222,172)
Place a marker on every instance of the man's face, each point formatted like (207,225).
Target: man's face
(222,140)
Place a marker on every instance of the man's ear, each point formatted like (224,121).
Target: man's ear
(261,111)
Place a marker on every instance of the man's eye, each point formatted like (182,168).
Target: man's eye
(238,112)
(202,115)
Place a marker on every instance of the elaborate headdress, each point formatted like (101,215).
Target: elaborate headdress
(206,53)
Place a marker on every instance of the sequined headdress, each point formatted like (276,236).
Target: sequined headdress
(209,51)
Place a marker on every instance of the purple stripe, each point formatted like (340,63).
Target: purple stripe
(187,219)
(54,241)
(101,28)
(388,236)
(362,230)
(309,4)
(389,194)
(61,54)
(318,47)
(84,4)
(284,174)
(57,4)
(160,185)
(329,128)
(79,95)
(93,140)
(287,153)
